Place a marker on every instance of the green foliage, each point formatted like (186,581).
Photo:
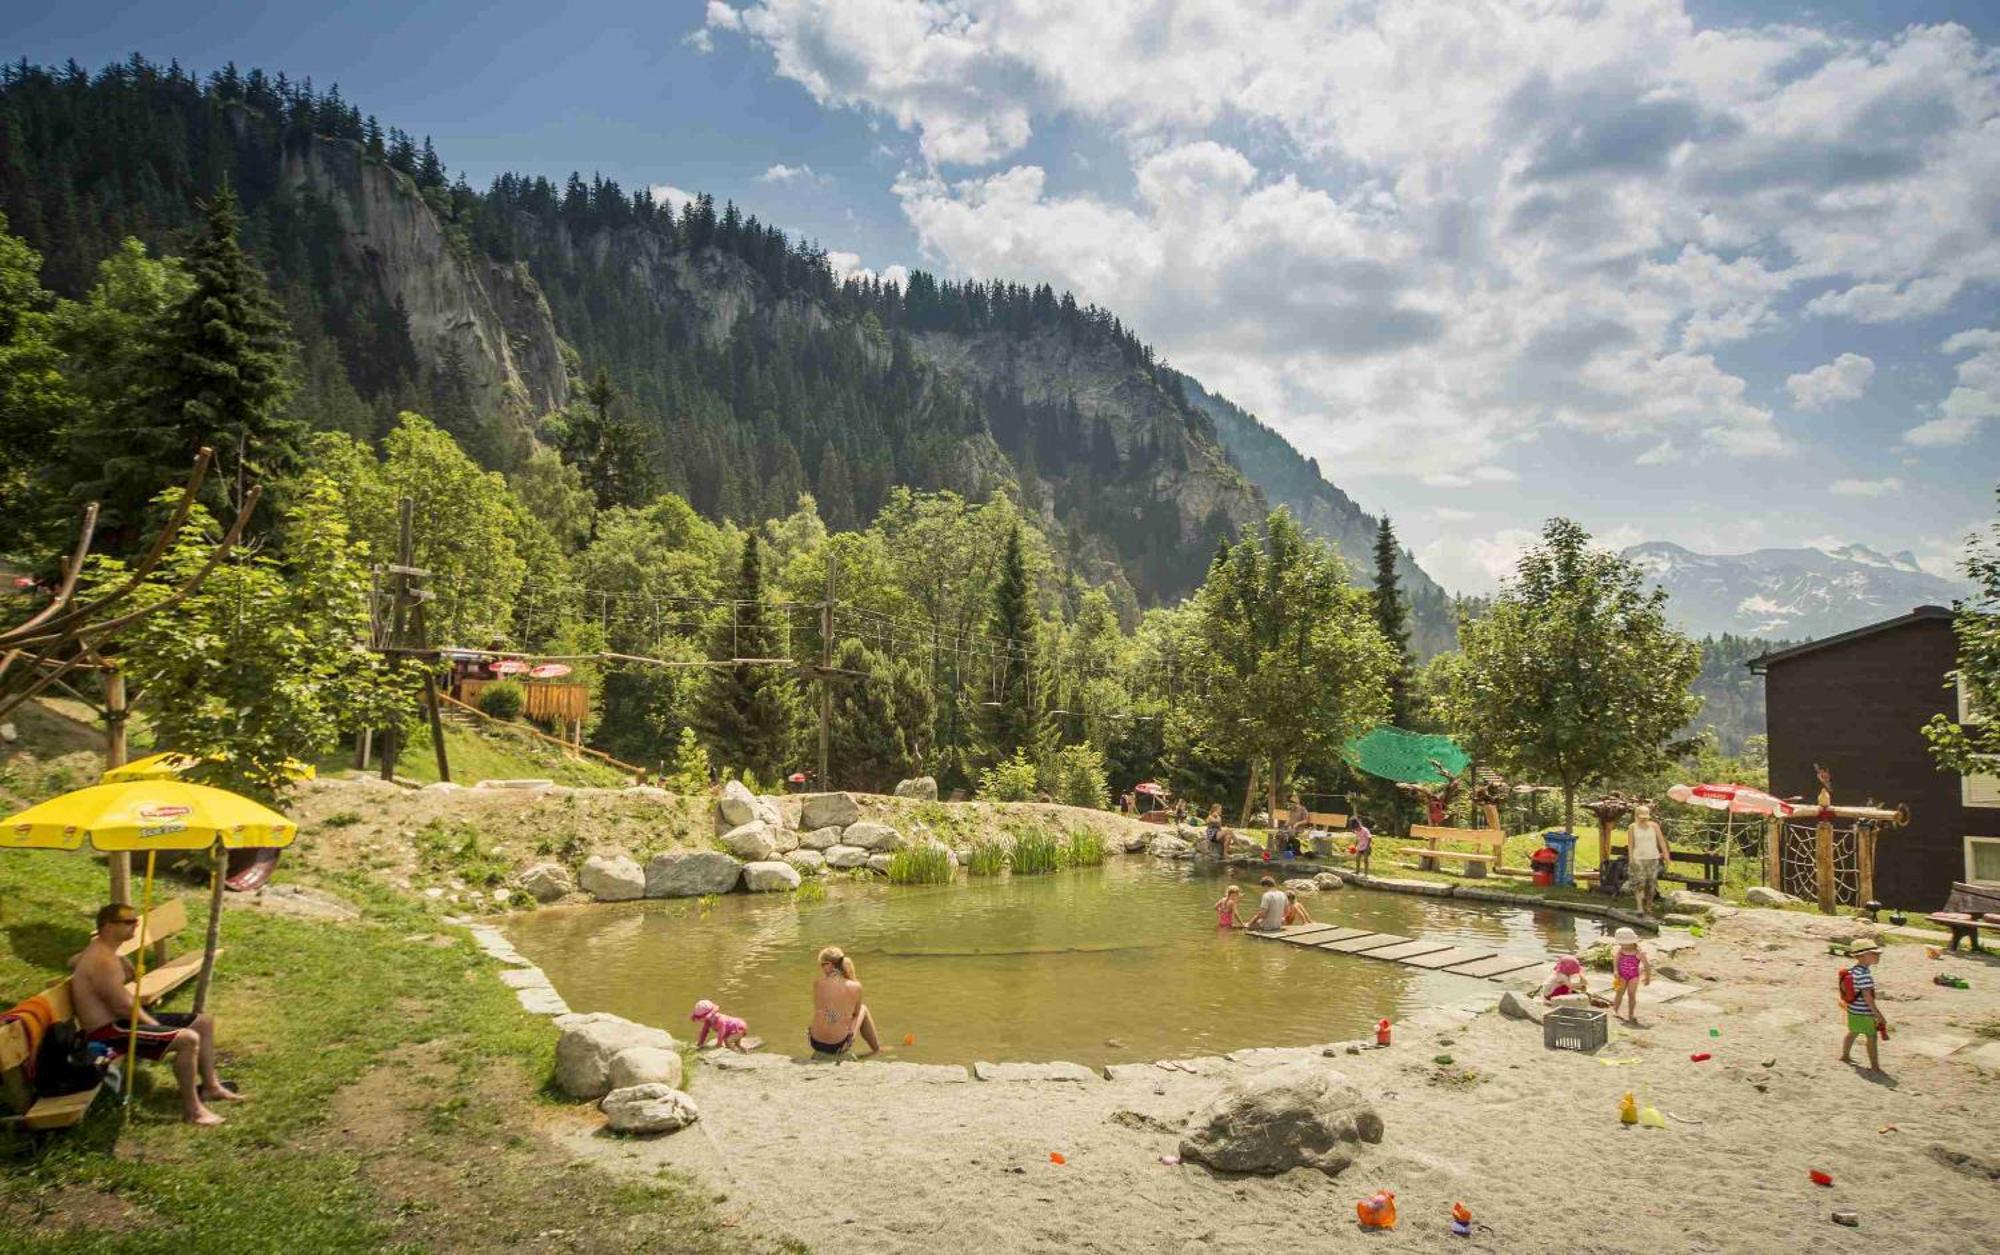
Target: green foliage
(1085,849)
(1287,656)
(1011,716)
(1392,616)
(870,741)
(920,865)
(988,858)
(1036,851)
(1074,776)
(747,711)
(809,892)
(1010,781)
(1972,746)
(503,700)
(1575,676)
(688,771)
(448,848)
(35,398)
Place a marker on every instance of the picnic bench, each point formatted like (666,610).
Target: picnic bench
(1969,908)
(1709,861)
(60,1111)
(1323,824)
(1490,846)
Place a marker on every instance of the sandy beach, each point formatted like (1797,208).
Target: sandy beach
(873,1156)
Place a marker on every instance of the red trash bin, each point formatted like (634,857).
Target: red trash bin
(1544,861)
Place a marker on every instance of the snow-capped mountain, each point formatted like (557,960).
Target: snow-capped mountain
(1791,593)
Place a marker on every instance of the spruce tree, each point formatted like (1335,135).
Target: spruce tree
(748,709)
(868,747)
(1392,615)
(1012,716)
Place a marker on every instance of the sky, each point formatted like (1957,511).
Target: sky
(1718,272)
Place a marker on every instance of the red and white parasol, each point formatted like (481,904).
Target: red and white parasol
(549,671)
(1150,788)
(508,666)
(1737,799)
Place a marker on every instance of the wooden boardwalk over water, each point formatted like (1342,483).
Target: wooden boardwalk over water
(1440,956)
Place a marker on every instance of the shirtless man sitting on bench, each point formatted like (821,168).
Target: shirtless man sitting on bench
(104,1007)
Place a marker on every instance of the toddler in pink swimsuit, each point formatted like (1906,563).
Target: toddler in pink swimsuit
(1630,968)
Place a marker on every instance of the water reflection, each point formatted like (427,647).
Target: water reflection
(1108,965)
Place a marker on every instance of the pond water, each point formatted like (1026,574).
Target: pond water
(1105,965)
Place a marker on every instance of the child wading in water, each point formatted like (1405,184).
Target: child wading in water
(1226,907)
(1630,968)
(1857,998)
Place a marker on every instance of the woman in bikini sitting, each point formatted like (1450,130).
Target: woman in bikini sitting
(838,1012)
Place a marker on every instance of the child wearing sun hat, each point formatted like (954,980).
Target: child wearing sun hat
(1630,968)
(1857,999)
(1566,981)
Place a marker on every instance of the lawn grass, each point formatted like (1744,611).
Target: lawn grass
(306,1011)
(485,753)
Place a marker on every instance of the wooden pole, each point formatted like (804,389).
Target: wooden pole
(1823,863)
(1774,853)
(825,780)
(116,715)
(1603,839)
(215,885)
(399,585)
(431,703)
(1864,863)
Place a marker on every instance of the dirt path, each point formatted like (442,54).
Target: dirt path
(892,1157)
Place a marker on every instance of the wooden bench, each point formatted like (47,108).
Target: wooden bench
(1711,861)
(1968,909)
(1324,824)
(1490,842)
(60,1111)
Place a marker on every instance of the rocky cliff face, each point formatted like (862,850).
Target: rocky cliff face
(491,315)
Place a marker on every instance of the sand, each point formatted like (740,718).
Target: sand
(874,1156)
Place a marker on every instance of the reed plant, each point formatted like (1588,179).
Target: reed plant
(1086,848)
(988,857)
(920,865)
(1036,851)
(809,891)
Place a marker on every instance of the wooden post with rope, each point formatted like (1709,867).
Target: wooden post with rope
(825,780)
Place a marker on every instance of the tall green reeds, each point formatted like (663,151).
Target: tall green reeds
(1086,848)
(920,865)
(1036,851)
(988,857)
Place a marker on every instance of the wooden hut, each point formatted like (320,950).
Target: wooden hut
(1857,704)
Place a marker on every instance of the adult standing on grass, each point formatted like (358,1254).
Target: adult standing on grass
(105,1009)
(838,1011)
(1646,844)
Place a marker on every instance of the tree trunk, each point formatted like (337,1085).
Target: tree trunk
(1569,807)
(1277,788)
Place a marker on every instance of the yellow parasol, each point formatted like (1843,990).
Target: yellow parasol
(151,815)
(172,763)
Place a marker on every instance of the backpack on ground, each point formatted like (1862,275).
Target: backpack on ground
(64,1064)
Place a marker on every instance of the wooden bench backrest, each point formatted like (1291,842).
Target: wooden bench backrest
(1326,819)
(1486,838)
(14,1037)
(1707,858)
(164,921)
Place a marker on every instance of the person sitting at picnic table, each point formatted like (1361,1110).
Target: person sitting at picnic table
(106,1007)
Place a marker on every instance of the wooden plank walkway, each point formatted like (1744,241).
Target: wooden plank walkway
(1436,956)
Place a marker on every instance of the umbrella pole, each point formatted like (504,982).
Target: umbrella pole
(138,982)
(214,929)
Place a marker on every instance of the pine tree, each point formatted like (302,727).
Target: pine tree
(867,746)
(1011,723)
(748,709)
(218,374)
(1392,615)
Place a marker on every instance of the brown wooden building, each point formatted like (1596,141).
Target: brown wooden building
(1857,703)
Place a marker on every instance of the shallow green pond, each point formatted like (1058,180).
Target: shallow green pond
(1107,965)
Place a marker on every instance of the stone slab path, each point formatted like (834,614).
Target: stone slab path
(1437,956)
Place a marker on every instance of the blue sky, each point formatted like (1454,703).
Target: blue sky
(1722,272)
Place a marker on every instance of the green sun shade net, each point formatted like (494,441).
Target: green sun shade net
(1406,757)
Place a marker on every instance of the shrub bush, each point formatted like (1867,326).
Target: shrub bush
(1075,777)
(503,700)
(1009,781)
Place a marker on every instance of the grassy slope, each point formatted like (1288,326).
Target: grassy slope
(487,753)
(307,1009)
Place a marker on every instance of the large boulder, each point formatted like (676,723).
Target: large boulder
(771,877)
(545,882)
(645,1065)
(847,856)
(612,878)
(691,874)
(829,810)
(880,863)
(736,806)
(590,1042)
(1297,1115)
(1764,895)
(1135,843)
(1329,881)
(921,788)
(1689,900)
(767,810)
(820,839)
(809,862)
(877,838)
(1302,886)
(752,842)
(649,1109)
(1170,847)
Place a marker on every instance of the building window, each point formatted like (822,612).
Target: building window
(1982,859)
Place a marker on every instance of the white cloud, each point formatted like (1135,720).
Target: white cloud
(1476,564)
(666,194)
(848,265)
(1660,454)
(1843,379)
(783,175)
(1974,399)
(1489,223)
(1887,486)
(1452,514)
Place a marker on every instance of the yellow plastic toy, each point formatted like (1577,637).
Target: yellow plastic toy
(1651,1118)
(1628,1109)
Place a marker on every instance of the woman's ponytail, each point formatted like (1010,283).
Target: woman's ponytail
(838,958)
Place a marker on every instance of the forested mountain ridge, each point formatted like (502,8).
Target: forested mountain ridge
(742,369)
(1290,479)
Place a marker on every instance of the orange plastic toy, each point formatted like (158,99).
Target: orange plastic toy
(1055,1156)
(1378,1212)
